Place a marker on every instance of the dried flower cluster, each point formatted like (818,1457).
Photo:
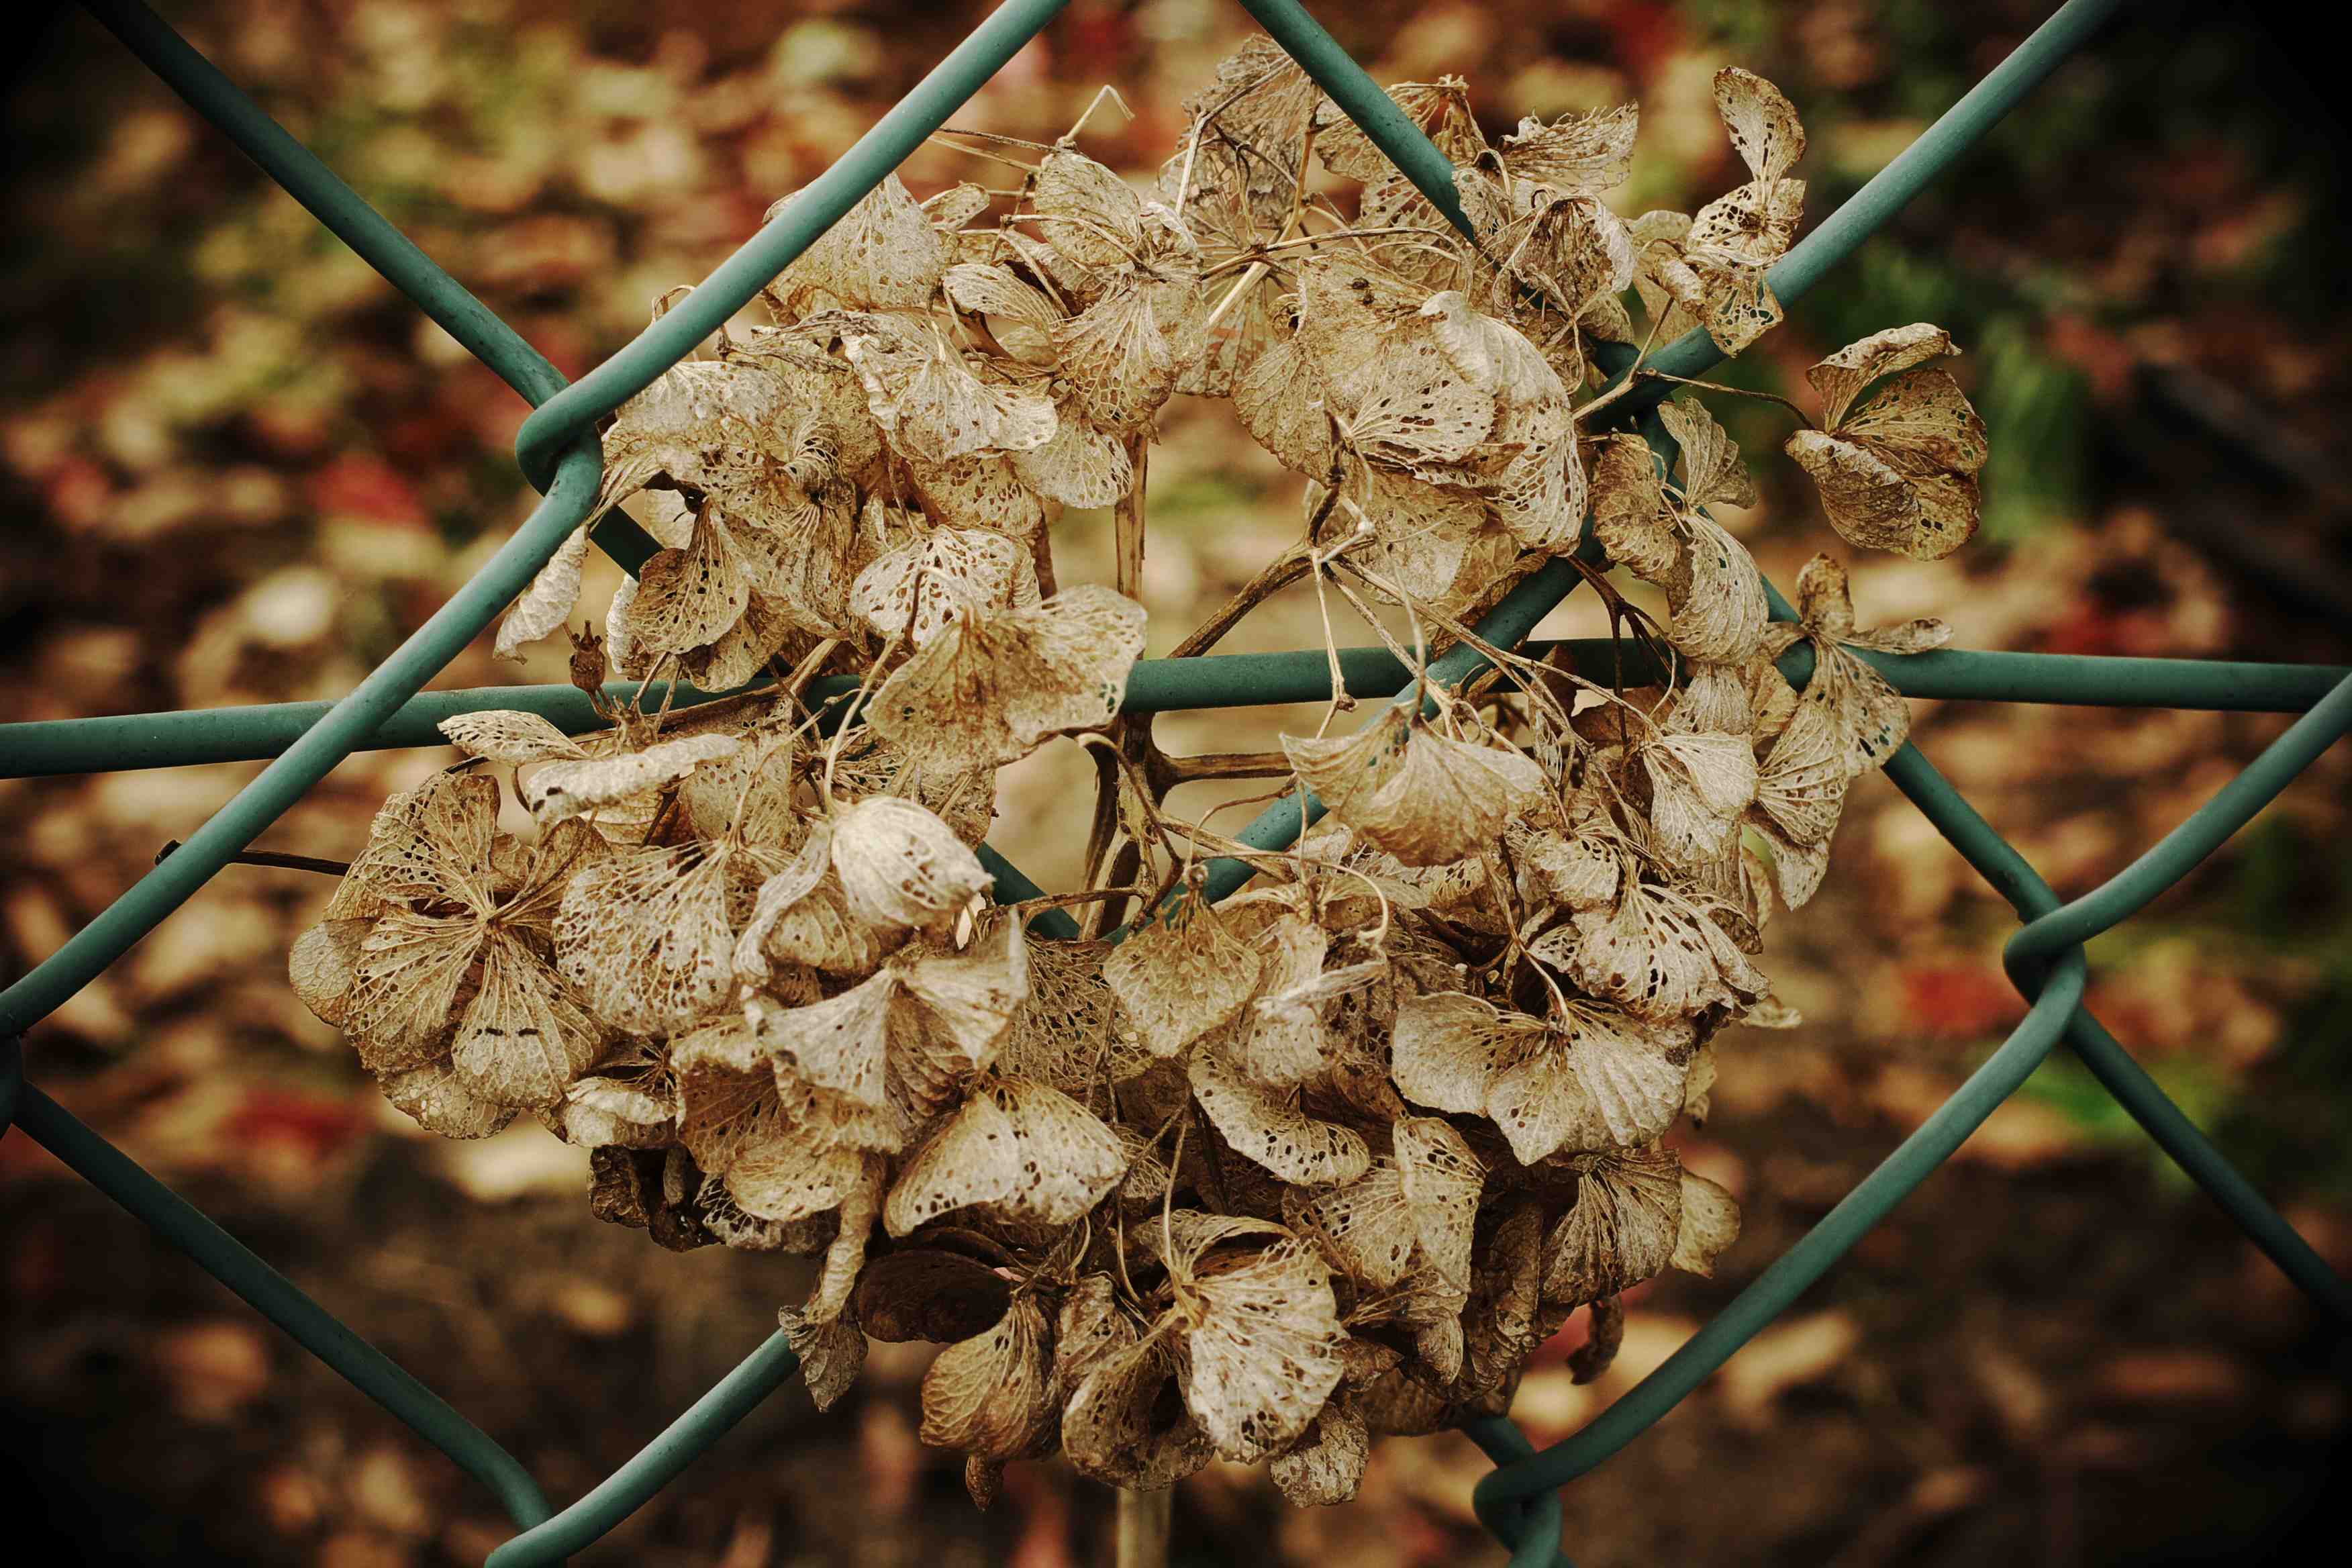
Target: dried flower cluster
(1272,1175)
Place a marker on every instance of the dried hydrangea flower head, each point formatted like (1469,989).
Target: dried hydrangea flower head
(1262,1177)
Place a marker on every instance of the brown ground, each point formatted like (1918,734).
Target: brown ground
(239,473)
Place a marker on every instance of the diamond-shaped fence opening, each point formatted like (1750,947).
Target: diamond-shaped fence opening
(559,452)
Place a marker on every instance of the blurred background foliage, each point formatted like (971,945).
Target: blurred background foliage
(238,467)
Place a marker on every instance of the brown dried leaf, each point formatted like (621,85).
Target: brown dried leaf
(1181,974)
(1621,1230)
(1262,1346)
(991,1396)
(1267,1128)
(1420,796)
(831,1354)
(509,737)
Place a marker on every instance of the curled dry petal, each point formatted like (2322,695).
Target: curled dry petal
(1712,471)
(1181,974)
(547,603)
(1898,471)
(927,1293)
(831,1354)
(1842,376)
(1604,1337)
(901,867)
(1763,122)
(992,1396)
(600,1110)
(1420,796)
(1584,154)
(509,737)
(837,1275)
(1326,1465)
(1112,1429)
(1709,1224)
(1442,1181)
(1026,1150)
(1629,510)
(568,788)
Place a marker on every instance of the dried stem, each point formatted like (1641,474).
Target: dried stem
(1276,576)
(1649,375)
(1226,765)
(271,858)
(1130,521)
(1144,1521)
(1133,733)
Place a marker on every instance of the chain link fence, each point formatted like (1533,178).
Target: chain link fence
(558,451)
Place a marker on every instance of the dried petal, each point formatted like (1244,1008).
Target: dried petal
(1709,1224)
(991,1396)
(509,737)
(1266,1126)
(901,867)
(1423,797)
(1621,1230)
(831,1354)
(1181,974)
(547,603)
(1263,1348)
(566,789)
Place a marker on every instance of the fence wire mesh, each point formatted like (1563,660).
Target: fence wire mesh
(1520,1501)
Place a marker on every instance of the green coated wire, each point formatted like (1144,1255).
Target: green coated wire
(1014,886)
(309,758)
(2009,872)
(1531,1526)
(273,1295)
(1791,1273)
(11,1080)
(184,737)
(655,1465)
(2177,854)
(2050,925)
